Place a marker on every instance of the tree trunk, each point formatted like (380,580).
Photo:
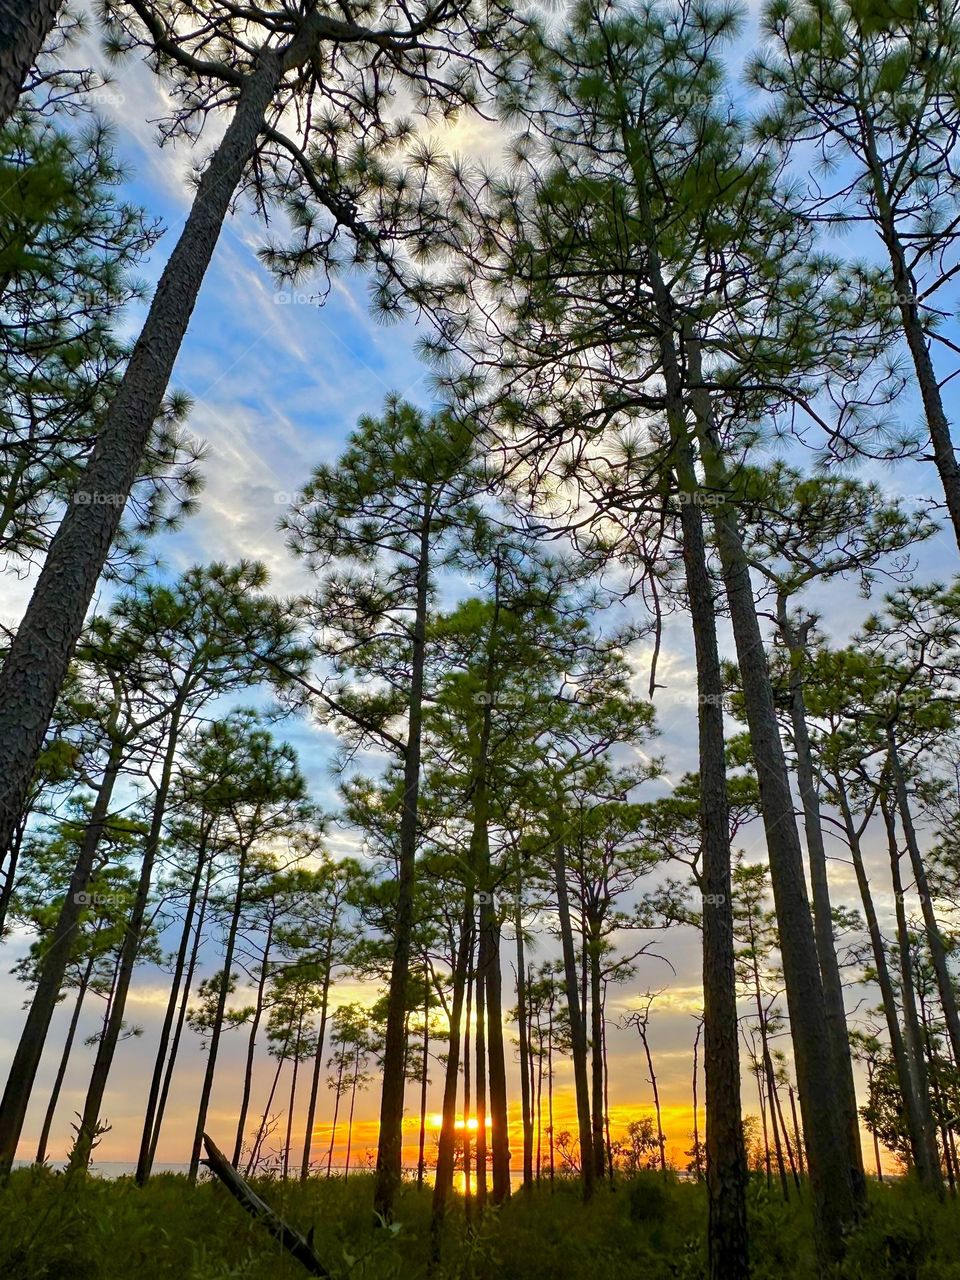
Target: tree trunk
(446,1151)
(252,1046)
(297,1048)
(24,27)
(915,1105)
(23,1068)
(596,1049)
(493,1005)
(129,950)
(181,1015)
(822,909)
(336,1113)
(480,1084)
(835,1205)
(424,1077)
(318,1057)
(578,1034)
(217,1028)
(262,1127)
(64,1060)
(37,662)
(523,1030)
(145,1158)
(938,952)
(390,1143)
(911,1021)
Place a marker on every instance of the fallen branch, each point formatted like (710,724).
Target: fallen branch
(300,1246)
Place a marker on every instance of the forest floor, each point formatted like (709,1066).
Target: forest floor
(647,1227)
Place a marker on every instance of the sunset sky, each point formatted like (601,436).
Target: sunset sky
(277,383)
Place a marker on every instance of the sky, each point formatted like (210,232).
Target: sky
(277,382)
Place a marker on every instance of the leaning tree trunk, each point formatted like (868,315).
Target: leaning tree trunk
(726,1163)
(390,1141)
(64,1060)
(144,1159)
(217,1028)
(23,1069)
(822,909)
(181,1017)
(37,662)
(252,1046)
(24,27)
(835,1203)
(130,949)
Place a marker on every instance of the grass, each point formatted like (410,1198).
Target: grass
(646,1227)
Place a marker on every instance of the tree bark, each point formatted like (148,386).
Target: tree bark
(252,1046)
(37,662)
(318,1056)
(526,1074)
(835,1204)
(596,1051)
(822,909)
(24,27)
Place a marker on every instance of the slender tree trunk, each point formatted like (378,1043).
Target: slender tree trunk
(606,1100)
(336,1113)
(446,1151)
(523,1030)
(938,952)
(217,1029)
(578,1034)
(37,662)
(10,874)
(911,1021)
(467,1095)
(539,1097)
(662,1157)
(390,1143)
(129,950)
(822,908)
(24,27)
(353,1100)
(835,1203)
(261,1130)
(64,1060)
(697,1163)
(144,1159)
(915,1105)
(493,1005)
(796,1129)
(424,1077)
(550,1092)
(252,1045)
(297,1048)
(318,1058)
(26,1059)
(181,1015)
(480,1084)
(596,1045)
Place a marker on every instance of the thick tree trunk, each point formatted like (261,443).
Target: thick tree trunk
(64,1060)
(726,1165)
(822,909)
(835,1204)
(24,27)
(23,1069)
(390,1143)
(578,1033)
(493,1003)
(144,1159)
(37,662)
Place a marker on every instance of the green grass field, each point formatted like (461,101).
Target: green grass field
(646,1227)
